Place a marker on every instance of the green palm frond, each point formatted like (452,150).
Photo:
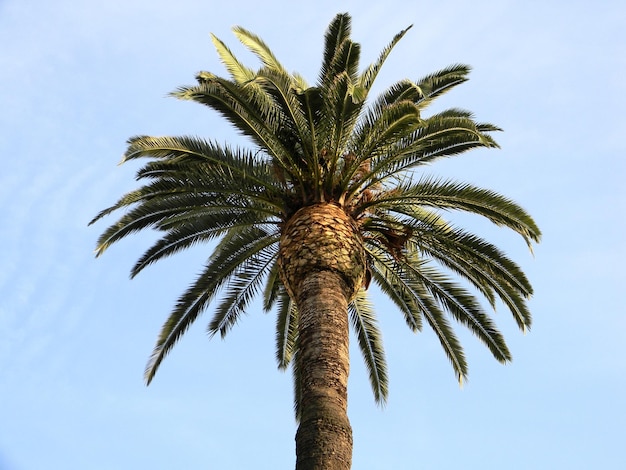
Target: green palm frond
(273,289)
(200,158)
(227,260)
(435,137)
(366,80)
(189,306)
(483,265)
(364,323)
(294,126)
(386,273)
(192,182)
(403,90)
(415,301)
(239,73)
(286,330)
(463,307)
(483,255)
(244,285)
(257,46)
(451,195)
(337,34)
(206,227)
(444,332)
(469,256)
(250,111)
(376,135)
(340,115)
(436,84)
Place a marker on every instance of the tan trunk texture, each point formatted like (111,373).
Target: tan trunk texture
(321,237)
(322,265)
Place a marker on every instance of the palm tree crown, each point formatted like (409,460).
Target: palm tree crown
(326,145)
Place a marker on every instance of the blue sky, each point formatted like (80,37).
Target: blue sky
(77,78)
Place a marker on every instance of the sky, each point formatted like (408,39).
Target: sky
(79,77)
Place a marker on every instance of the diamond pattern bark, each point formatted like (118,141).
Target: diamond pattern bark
(322,237)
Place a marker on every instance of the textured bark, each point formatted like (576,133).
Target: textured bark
(324,437)
(322,265)
(321,237)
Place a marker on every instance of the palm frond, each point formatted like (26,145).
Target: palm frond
(139,218)
(233,251)
(295,128)
(346,60)
(189,306)
(433,138)
(363,321)
(340,116)
(244,285)
(200,159)
(366,80)
(250,111)
(239,73)
(451,195)
(286,330)
(403,90)
(338,33)
(448,340)
(416,225)
(272,290)
(192,179)
(463,306)
(486,267)
(387,274)
(257,46)
(398,277)
(436,84)
(203,228)
(374,136)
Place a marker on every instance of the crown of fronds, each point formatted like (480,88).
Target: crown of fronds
(326,143)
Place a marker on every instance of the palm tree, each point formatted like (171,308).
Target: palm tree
(329,199)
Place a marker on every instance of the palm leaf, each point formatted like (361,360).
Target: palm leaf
(366,80)
(228,256)
(286,330)
(387,275)
(337,33)
(272,290)
(257,46)
(238,72)
(204,228)
(448,340)
(463,307)
(363,321)
(250,111)
(245,283)
(436,84)
(450,195)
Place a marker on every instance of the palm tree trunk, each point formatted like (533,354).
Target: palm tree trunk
(322,266)
(324,437)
